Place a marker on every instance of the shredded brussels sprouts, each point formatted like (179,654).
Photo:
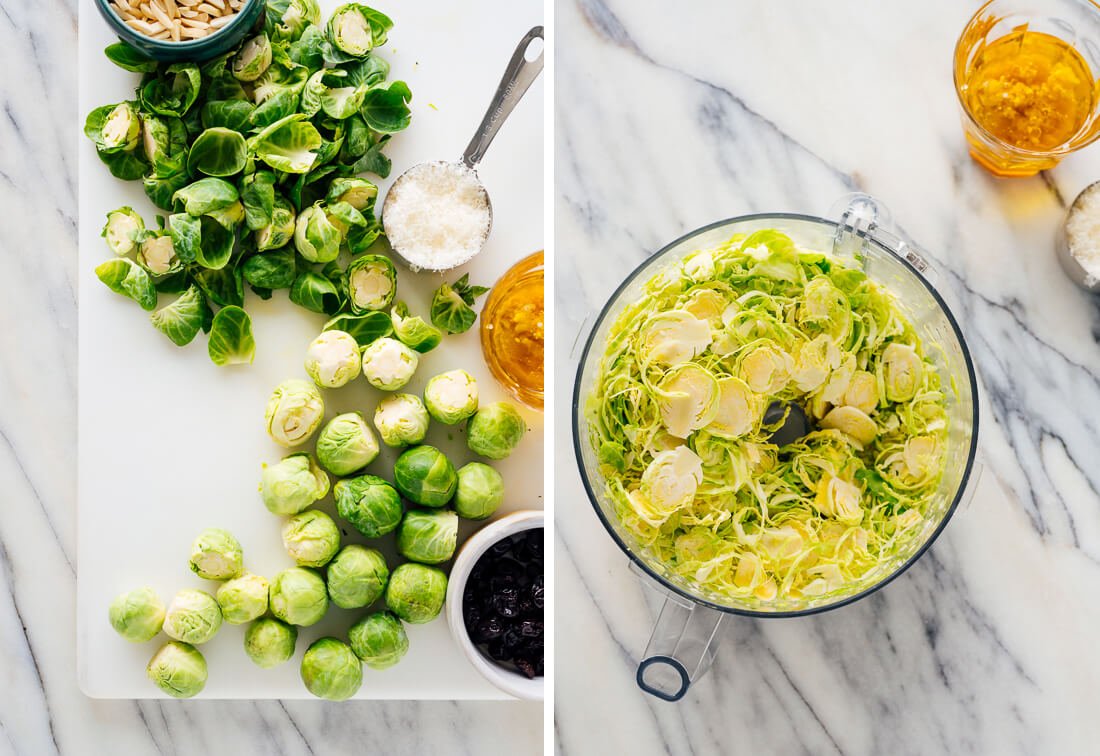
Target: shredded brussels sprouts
(676,420)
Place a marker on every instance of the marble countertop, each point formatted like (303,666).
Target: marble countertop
(671,116)
(42,711)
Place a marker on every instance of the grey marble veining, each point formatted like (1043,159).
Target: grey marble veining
(669,117)
(41,709)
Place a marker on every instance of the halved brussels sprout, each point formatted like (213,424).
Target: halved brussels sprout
(416,592)
(356,577)
(379,640)
(114,128)
(688,398)
(332,359)
(252,60)
(369,503)
(270,642)
(352,29)
(294,412)
(137,615)
(902,372)
(852,423)
(192,617)
(243,599)
(451,397)
(495,430)
(178,669)
(388,364)
(123,231)
(293,484)
(346,444)
(413,331)
(311,538)
(425,476)
(840,499)
(157,254)
(401,420)
(280,231)
(371,283)
(357,192)
(298,596)
(428,537)
(216,555)
(331,670)
(480,491)
(670,481)
(316,238)
(737,411)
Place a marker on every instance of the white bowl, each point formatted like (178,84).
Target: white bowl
(508,680)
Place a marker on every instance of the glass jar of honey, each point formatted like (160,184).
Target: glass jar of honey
(512,330)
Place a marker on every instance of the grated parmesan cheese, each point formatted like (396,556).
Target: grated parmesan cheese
(437,215)
(1083,233)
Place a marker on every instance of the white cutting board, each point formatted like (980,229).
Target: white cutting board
(170,444)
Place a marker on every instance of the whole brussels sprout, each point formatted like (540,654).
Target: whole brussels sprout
(346,444)
(369,503)
(451,397)
(252,59)
(401,420)
(480,491)
(371,283)
(331,670)
(416,592)
(243,599)
(294,412)
(298,596)
(332,359)
(495,430)
(424,475)
(216,555)
(124,230)
(379,640)
(311,538)
(192,617)
(388,364)
(270,642)
(356,577)
(178,669)
(137,615)
(293,484)
(428,537)
(316,237)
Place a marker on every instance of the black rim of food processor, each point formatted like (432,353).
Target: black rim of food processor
(589,490)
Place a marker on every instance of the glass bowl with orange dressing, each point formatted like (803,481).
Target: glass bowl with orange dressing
(512,330)
(1027,80)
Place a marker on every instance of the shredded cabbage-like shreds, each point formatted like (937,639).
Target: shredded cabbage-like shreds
(677,421)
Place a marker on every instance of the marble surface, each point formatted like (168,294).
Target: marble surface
(42,711)
(667,119)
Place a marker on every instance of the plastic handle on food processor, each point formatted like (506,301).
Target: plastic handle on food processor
(860,217)
(681,647)
(518,78)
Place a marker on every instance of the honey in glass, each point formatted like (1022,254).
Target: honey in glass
(512,330)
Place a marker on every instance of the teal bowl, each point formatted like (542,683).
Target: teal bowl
(197,50)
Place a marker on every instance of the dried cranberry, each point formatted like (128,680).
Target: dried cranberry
(530,629)
(526,667)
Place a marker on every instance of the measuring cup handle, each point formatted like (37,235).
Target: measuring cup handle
(680,650)
(518,77)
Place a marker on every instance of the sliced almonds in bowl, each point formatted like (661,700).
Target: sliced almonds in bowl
(176,20)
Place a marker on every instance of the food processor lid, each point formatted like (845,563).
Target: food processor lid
(861,221)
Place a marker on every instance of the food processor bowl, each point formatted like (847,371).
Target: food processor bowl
(681,646)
